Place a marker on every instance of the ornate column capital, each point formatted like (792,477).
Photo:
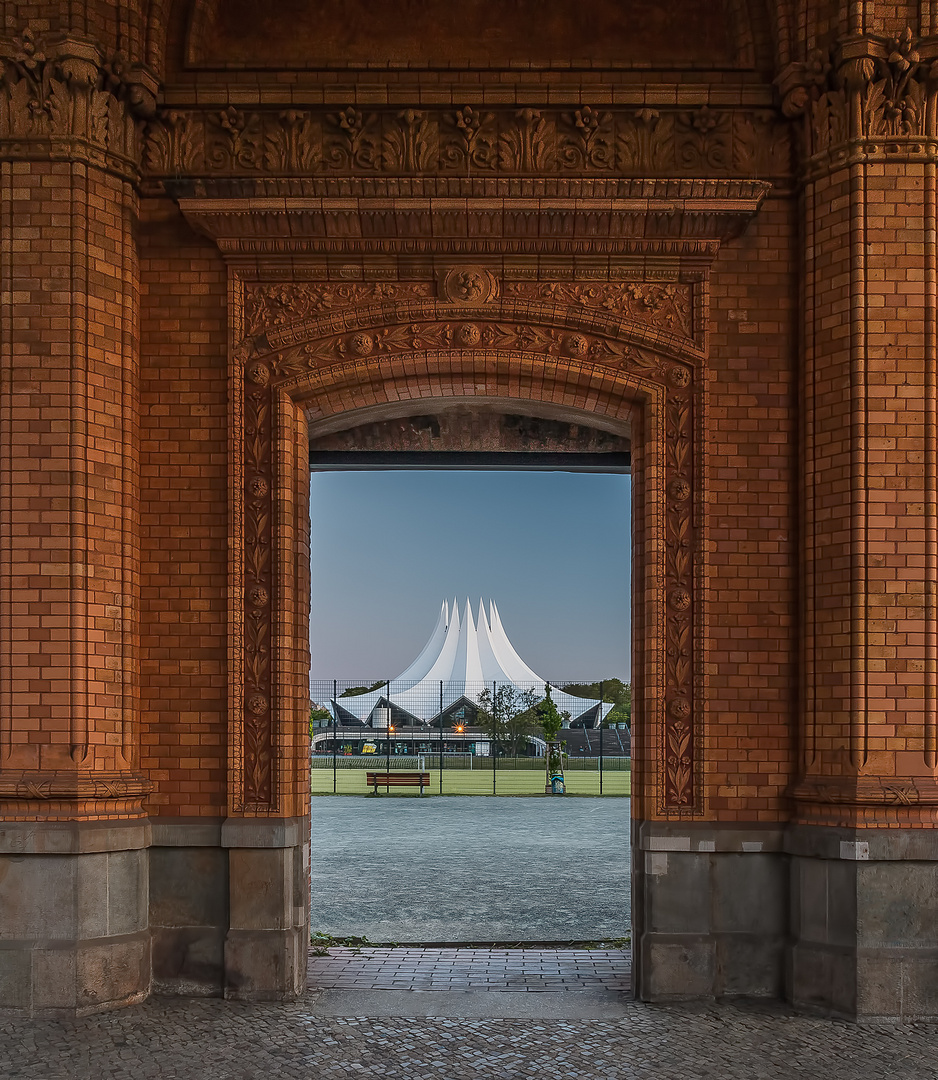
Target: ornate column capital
(61,96)
(868,98)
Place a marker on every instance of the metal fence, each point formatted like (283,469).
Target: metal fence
(466,739)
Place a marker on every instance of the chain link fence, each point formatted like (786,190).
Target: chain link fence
(446,738)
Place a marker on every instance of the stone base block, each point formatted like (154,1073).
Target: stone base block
(864,923)
(268,936)
(710,910)
(74,936)
(265,965)
(188,906)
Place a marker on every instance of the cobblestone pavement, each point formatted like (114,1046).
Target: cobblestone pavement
(174,1039)
(471,869)
(470,969)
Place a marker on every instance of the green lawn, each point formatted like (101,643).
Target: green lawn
(478,781)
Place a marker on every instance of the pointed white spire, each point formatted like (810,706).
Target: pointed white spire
(428,654)
(487,655)
(465,655)
(509,661)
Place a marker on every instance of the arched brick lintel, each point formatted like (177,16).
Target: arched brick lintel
(276,395)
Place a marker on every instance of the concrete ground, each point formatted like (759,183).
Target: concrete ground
(178,1039)
(411,870)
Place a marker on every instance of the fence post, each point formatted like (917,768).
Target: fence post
(494,740)
(335,736)
(601,688)
(441,736)
(387,745)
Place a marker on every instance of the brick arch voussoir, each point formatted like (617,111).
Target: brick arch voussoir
(594,392)
(274,382)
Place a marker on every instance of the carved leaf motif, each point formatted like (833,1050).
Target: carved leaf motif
(761,145)
(19,115)
(469,141)
(116,130)
(679,764)
(589,142)
(646,142)
(293,144)
(746,147)
(872,109)
(680,776)
(98,116)
(679,740)
(829,120)
(56,117)
(257,655)
(410,144)
(353,142)
(526,143)
(234,141)
(909,118)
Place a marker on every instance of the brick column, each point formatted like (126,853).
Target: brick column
(71,819)
(863,843)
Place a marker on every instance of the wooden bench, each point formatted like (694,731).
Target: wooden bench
(398,779)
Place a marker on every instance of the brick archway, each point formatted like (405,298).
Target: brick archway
(348,308)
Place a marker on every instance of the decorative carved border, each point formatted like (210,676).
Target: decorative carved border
(476,141)
(308,336)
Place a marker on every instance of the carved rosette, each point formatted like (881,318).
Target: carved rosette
(282,354)
(60,96)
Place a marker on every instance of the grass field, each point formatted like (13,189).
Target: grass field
(477,781)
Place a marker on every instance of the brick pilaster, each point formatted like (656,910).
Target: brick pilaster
(69,402)
(868,735)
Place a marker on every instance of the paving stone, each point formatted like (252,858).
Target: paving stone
(178,1039)
(496,970)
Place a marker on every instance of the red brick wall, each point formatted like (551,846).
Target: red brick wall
(751,437)
(184,515)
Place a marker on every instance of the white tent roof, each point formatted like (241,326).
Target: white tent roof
(466,655)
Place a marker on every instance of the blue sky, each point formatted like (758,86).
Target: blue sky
(552,549)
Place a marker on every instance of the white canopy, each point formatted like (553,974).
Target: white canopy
(466,656)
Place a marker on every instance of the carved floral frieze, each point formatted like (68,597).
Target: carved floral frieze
(469,335)
(468,141)
(59,94)
(665,304)
(268,306)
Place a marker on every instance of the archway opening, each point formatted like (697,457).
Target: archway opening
(537,517)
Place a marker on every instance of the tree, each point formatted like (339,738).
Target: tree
(356,691)
(615,691)
(315,715)
(506,714)
(549,719)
